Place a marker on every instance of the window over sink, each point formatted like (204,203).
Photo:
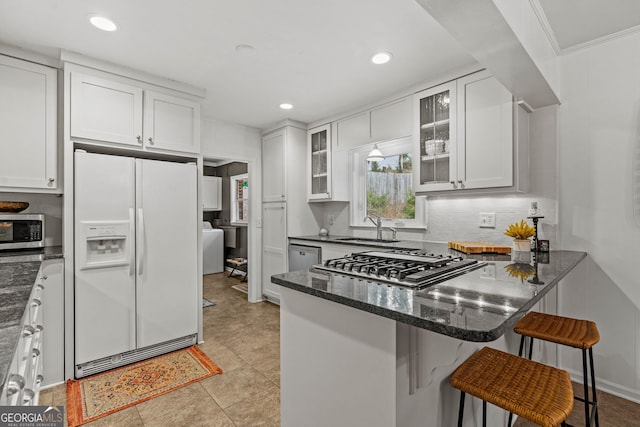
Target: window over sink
(385,188)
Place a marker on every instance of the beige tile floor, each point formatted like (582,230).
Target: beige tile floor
(244,340)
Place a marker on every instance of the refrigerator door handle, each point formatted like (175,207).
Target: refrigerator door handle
(141,240)
(131,243)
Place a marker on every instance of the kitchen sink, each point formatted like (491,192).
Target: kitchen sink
(366,240)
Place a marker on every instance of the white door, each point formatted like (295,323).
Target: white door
(28,121)
(274,243)
(104,270)
(274,167)
(171,123)
(167,249)
(105,110)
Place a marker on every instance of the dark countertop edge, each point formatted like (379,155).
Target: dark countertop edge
(31,255)
(465,335)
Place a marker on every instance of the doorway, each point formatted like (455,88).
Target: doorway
(232,215)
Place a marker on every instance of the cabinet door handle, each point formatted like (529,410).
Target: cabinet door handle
(51,179)
(45,277)
(461,183)
(139,138)
(151,141)
(454,184)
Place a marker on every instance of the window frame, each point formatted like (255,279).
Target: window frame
(358,164)
(234,199)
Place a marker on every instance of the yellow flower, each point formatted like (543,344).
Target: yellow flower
(520,231)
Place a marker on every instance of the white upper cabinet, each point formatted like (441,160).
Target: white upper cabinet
(211,193)
(465,136)
(28,126)
(274,165)
(485,132)
(391,121)
(388,121)
(319,163)
(115,111)
(105,110)
(435,138)
(171,123)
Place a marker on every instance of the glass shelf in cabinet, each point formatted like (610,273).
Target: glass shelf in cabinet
(425,157)
(431,125)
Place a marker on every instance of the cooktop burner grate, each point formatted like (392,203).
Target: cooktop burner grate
(408,268)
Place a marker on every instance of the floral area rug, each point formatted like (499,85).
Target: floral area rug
(108,392)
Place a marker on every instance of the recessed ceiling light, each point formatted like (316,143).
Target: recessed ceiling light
(103,23)
(381,58)
(286,106)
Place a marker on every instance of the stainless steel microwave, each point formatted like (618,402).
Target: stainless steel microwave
(19,231)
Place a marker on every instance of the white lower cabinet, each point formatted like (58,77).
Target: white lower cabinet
(28,126)
(52,281)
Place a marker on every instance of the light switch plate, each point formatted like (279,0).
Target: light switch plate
(487,220)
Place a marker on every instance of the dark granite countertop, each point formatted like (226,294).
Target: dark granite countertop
(477,306)
(18,272)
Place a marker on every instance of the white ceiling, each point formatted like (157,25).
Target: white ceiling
(313,54)
(578,22)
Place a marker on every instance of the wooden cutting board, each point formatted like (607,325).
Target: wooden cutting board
(479,248)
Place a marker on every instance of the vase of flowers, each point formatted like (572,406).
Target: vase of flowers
(521,233)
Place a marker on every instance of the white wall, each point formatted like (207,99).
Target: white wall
(223,140)
(599,134)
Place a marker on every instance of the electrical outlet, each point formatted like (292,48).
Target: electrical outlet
(489,271)
(487,220)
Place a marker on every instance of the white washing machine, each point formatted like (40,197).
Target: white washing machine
(212,249)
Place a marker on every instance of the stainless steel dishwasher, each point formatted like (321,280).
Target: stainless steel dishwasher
(302,257)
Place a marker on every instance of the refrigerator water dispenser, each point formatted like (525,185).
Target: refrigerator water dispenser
(107,244)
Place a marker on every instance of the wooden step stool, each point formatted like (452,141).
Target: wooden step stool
(540,393)
(582,334)
(237,263)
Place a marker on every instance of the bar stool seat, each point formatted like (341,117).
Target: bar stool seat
(582,334)
(577,333)
(537,392)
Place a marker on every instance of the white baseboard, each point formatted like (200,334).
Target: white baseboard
(608,387)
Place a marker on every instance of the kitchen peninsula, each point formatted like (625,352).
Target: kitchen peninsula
(362,353)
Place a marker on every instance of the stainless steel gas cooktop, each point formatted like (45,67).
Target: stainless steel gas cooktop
(410,268)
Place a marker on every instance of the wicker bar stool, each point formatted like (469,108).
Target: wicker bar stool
(582,334)
(540,393)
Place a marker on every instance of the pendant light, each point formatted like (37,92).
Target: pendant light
(375,155)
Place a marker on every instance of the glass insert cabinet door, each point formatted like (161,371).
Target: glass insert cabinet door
(319,152)
(436,122)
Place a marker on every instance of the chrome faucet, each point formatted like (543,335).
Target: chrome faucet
(378,223)
(394,233)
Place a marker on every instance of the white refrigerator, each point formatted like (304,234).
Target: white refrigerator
(136,252)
